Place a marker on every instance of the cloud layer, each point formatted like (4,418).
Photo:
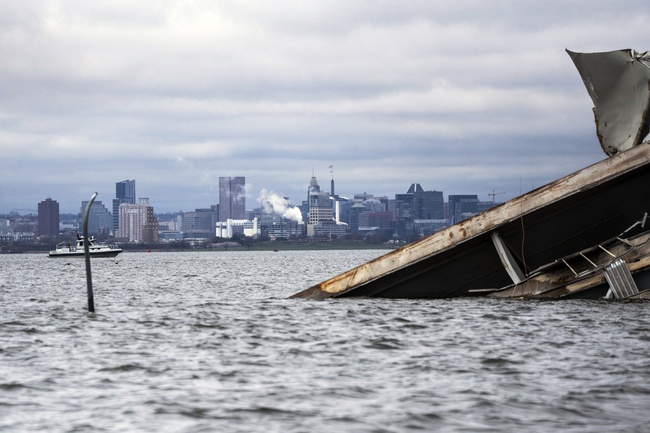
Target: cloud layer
(464,98)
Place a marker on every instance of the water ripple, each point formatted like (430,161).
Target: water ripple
(192,342)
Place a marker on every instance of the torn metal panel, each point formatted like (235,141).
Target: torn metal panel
(618,83)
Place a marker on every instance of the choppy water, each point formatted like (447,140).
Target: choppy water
(202,342)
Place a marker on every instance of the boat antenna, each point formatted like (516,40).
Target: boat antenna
(89,278)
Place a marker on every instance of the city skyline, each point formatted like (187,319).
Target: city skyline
(253,201)
(466,98)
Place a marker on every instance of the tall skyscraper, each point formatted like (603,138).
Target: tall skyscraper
(320,207)
(232,198)
(137,222)
(100,221)
(48,218)
(124,193)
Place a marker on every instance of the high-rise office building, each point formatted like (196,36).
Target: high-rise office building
(321,214)
(416,203)
(232,198)
(320,207)
(48,218)
(427,205)
(100,221)
(124,193)
(403,202)
(462,207)
(137,222)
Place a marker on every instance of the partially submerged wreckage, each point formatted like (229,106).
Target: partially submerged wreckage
(583,236)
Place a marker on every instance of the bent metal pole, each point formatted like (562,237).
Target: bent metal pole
(89,278)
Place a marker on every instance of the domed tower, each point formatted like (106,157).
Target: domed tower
(320,208)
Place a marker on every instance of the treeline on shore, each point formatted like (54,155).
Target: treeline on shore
(235,244)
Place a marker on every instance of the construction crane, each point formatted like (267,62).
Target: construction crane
(494,194)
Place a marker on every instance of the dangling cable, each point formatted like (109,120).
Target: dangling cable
(523,241)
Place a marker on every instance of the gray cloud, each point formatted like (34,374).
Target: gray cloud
(463,98)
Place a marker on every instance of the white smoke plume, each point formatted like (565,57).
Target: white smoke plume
(275,204)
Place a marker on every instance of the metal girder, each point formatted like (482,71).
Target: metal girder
(509,263)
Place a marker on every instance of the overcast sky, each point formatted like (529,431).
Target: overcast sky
(464,97)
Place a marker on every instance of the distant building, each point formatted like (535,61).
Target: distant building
(137,222)
(462,207)
(404,201)
(232,198)
(227,229)
(427,205)
(356,210)
(124,193)
(199,224)
(363,197)
(330,229)
(6,231)
(100,220)
(425,227)
(48,218)
(366,207)
(342,207)
(483,206)
(320,207)
(276,226)
(380,219)
(374,205)
(283,229)
(417,203)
